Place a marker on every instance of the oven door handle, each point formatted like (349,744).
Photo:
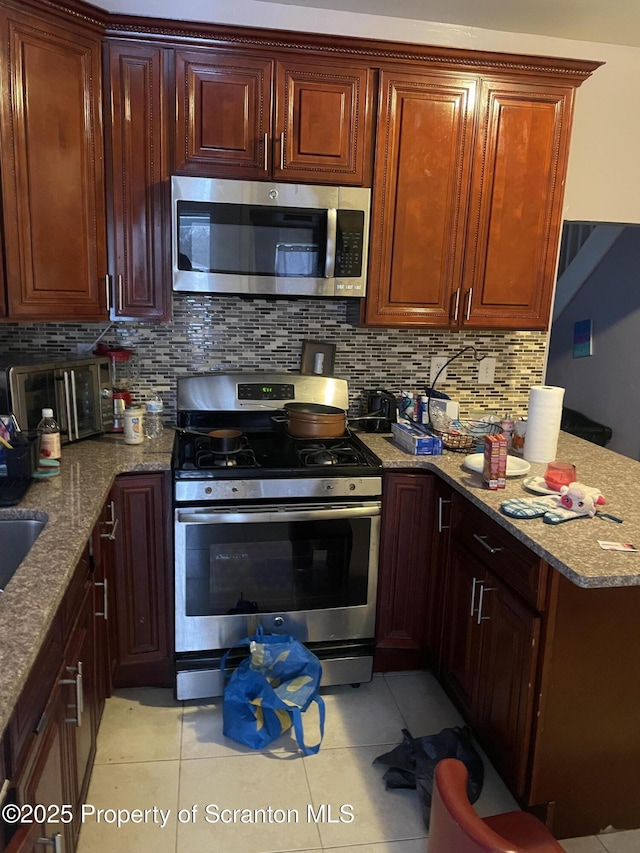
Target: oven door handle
(319,512)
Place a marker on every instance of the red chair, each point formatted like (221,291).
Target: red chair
(455,827)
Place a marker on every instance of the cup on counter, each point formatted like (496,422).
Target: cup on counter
(559,474)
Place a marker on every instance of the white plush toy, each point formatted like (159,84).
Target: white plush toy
(581,499)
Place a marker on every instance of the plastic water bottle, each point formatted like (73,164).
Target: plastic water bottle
(153,416)
(49,451)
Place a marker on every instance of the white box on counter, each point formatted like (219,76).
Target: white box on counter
(415,441)
(449,407)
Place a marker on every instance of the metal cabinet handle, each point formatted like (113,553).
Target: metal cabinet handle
(441,527)
(3,790)
(120,295)
(455,310)
(266,152)
(282,151)
(483,589)
(469,297)
(77,682)
(483,541)
(105,598)
(108,292)
(55,841)
(67,404)
(112,523)
(476,582)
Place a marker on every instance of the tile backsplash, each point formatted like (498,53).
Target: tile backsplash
(214,333)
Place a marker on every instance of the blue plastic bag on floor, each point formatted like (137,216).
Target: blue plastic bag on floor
(270,690)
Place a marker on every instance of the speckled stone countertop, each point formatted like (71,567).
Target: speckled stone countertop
(71,504)
(572,547)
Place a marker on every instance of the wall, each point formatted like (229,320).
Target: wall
(211,333)
(603,181)
(606,385)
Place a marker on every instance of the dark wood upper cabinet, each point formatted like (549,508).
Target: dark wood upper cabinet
(138,189)
(422,173)
(51,155)
(248,116)
(468,189)
(515,211)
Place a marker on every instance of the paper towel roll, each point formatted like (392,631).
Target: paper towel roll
(543,423)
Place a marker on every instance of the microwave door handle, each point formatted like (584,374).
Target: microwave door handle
(74,401)
(332,231)
(67,404)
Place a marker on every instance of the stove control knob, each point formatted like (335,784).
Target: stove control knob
(278,621)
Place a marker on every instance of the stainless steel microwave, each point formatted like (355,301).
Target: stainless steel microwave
(262,238)
(78,390)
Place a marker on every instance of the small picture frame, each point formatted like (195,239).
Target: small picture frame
(318,358)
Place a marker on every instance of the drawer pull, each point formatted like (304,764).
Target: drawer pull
(77,683)
(55,841)
(483,541)
(3,790)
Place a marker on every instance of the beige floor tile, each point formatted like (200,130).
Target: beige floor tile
(141,724)
(424,705)
(362,716)
(588,844)
(263,781)
(340,777)
(127,787)
(621,842)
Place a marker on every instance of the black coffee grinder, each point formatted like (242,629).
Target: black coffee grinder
(382,403)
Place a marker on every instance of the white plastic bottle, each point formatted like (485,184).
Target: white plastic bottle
(153,416)
(49,451)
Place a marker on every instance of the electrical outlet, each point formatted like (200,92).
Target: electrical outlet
(437,362)
(486,370)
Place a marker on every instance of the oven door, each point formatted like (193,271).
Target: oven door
(310,571)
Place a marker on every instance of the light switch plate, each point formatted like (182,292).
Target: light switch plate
(437,362)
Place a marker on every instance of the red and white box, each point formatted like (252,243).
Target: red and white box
(494,469)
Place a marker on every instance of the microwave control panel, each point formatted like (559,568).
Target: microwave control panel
(349,240)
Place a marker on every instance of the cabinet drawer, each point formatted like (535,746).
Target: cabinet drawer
(499,551)
(74,595)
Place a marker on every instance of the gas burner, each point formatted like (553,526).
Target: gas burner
(322,454)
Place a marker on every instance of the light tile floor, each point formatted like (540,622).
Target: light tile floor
(170,761)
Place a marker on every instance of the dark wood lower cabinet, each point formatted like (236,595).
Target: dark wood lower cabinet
(112,627)
(407,514)
(143,580)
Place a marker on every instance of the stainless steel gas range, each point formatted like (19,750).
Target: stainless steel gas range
(272,530)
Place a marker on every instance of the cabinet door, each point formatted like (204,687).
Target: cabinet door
(422,162)
(516,204)
(323,123)
(143,579)
(461,631)
(404,571)
(43,779)
(508,660)
(438,572)
(52,170)
(223,120)
(80,700)
(139,188)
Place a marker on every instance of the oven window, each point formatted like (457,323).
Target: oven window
(283,566)
(250,239)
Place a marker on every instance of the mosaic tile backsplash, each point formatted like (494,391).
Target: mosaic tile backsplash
(214,333)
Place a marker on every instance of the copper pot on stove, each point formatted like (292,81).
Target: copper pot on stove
(225,440)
